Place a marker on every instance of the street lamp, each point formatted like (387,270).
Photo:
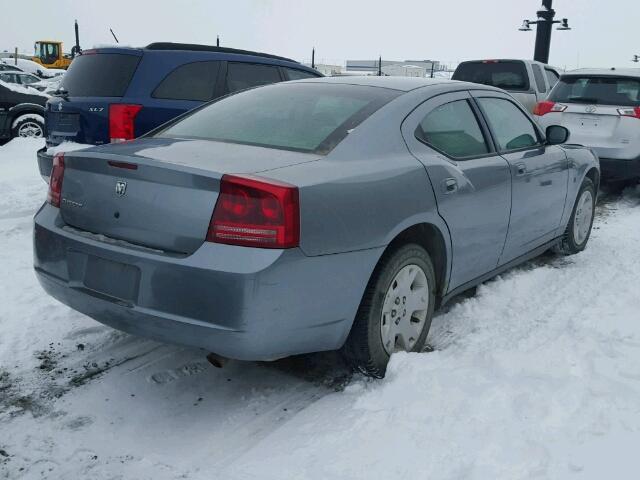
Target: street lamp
(544,24)
(636,58)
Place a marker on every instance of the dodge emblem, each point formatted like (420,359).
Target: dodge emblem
(121,188)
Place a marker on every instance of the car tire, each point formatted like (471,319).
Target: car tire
(28,125)
(578,229)
(383,319)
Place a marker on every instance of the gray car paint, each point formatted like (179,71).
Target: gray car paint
(258,304)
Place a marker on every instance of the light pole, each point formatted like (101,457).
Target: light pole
(544,24)
(636,58)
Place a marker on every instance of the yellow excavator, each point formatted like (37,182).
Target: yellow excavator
(49,54)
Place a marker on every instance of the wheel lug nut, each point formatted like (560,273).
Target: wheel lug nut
(397,300)
(393,313)
(404,300)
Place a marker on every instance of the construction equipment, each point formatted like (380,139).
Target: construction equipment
(49,54)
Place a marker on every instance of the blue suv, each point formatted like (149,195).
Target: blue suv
(115,94)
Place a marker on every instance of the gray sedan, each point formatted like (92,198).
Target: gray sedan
(311,215)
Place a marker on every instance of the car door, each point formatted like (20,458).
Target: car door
(470,180)
(539,172)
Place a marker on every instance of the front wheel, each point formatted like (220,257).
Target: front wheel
(395,312)
(578,230)
(28,126)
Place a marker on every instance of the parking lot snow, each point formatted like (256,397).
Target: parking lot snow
(536,375)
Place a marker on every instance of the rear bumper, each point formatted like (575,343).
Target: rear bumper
(614,169)
(242,303)
(45,163)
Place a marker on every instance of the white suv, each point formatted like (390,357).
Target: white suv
(601,109)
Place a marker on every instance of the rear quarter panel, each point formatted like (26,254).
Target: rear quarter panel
(581,161)
(367,190)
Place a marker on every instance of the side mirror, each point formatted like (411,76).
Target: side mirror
(557,135)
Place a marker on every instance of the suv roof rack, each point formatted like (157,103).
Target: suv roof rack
(209,48)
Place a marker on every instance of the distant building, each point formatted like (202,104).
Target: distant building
(402,70)
(328,70)
(406,66)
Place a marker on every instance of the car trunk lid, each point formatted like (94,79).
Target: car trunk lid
(157,193)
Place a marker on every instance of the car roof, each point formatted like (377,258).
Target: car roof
(607,72)
(403,84)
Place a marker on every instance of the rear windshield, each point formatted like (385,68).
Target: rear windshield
(100,75)
(304,117)
(508,75)
(619,91)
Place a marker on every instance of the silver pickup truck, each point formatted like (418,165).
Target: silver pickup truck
(527,80)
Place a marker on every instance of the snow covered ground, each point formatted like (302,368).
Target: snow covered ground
(536,376)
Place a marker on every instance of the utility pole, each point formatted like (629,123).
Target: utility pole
(313,57)
(380,66)
(544,24)
(217,40)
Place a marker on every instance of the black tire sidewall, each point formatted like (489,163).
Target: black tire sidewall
(389,267)
(587,184)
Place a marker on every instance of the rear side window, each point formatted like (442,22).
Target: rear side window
(539,77)
(511,128)
(304,117)
(100,75)
(509,75)
(453,129)
(621,91)
(552,77)
(293,74)
(246,75)
(192,81)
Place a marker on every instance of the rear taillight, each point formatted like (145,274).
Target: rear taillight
(629,112)
(121,121)
(55,180)
(256,212)
(547,106)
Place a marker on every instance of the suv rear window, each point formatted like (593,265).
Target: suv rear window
(509,75)
(100,75)
(621,91)
(304,117)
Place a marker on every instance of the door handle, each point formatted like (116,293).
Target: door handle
(521,169)
(449,185)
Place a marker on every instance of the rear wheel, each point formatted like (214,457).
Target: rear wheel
(578,230)
(28,126)
(395,312)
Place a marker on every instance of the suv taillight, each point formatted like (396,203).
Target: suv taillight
(55,180)
(121,121)
(629,112)
(547,106)
(256,212)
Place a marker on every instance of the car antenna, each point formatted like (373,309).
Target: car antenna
(114,36)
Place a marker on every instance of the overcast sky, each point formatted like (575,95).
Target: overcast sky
(604,32)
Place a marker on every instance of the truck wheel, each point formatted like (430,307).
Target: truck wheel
(28,125)
(395,312)
(578,230)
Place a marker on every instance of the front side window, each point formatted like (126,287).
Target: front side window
(305,117)
(552,77)
(510,126)
(192,81)
(453,129)
(620,91)
(28,79)
(241,76)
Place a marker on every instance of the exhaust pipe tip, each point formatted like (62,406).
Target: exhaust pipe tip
(217,360)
